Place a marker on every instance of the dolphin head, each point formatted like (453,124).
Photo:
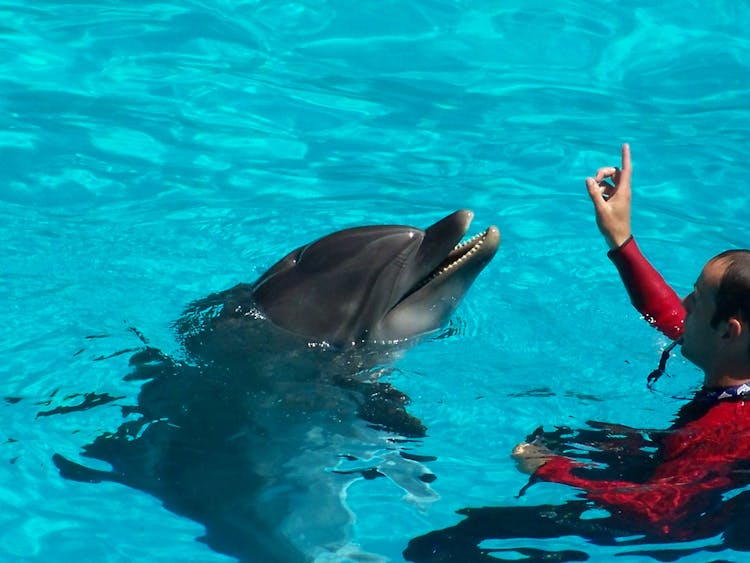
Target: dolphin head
(377,283)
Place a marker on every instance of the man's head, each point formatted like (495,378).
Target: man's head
(717,325)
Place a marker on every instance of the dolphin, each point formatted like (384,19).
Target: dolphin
(385,283)
(280,401)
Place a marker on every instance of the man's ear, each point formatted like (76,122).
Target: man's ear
(735,328)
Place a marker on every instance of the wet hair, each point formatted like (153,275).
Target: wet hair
(733,294)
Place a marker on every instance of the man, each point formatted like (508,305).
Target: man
(702,455)
(689,482)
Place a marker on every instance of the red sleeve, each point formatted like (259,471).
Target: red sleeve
(649,293)
(655,504)
(698,458)
(559,469)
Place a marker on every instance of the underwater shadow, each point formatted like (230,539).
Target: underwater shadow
(257,446)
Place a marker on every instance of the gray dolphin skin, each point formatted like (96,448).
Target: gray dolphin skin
(280,399)
(374,284)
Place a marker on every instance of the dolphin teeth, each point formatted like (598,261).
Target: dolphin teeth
(452,261)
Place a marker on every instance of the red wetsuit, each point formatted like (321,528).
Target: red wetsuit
(697,459)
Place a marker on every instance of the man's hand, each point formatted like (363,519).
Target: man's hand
(612,200)
(530,456)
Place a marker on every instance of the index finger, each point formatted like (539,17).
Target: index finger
(606,172)
(627,167)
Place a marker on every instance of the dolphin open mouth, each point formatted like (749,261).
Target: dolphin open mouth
(478,250)
(439,274)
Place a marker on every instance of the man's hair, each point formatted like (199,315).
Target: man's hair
(733,294)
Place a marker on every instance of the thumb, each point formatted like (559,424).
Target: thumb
(595,192)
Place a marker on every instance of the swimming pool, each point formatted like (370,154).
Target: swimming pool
(156,152)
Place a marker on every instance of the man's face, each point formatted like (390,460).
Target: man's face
(700,339)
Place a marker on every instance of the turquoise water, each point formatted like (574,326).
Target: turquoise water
(152,153)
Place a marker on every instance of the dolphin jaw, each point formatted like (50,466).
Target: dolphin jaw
(461,253)
(429,303)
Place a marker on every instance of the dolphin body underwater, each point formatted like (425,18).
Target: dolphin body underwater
(276,405)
